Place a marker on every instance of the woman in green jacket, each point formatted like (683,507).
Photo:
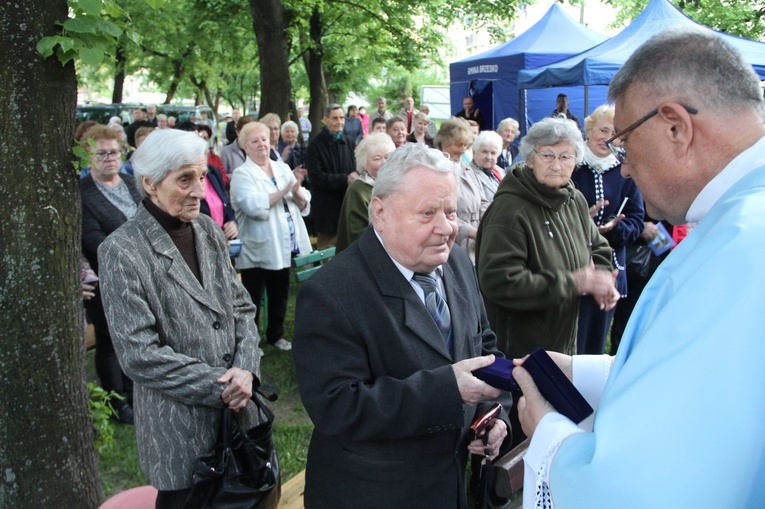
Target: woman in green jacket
(538,250)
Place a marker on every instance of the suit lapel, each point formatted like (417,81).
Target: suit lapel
(393,284)
(178,269)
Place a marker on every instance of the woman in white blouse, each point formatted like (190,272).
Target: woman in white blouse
(269,203)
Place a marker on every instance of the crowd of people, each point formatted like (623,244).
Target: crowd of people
(455,245)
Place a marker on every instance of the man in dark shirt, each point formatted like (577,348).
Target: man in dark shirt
(470,112)
(561,110)
(331,169)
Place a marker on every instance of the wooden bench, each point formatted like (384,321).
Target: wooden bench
(306,266)
(508,473)
(292,492)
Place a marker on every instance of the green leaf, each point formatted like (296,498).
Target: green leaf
(134,36)
(92,7)
(46,44)
(81,25)
(109,27)
(91,56)
(155,4)
(67,44)
(113,10)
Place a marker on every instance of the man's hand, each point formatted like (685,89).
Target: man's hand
(352,176)
(497,434)
(473,390)
(238,389)
(532,406)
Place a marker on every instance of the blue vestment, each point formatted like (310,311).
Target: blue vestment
(681,422)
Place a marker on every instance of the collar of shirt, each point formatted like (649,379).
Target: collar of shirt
(408,275)
(744,163)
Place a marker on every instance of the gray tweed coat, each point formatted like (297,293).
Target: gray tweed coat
(175,337)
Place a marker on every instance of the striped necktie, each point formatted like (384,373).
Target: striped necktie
(436,305)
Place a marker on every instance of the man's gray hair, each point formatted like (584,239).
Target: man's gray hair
(508,121)
(371,145)
(390,178)
(487,138)
(551,131)
(330,107)
(163,151)
(693,66)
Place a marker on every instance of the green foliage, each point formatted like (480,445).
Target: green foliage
(82,154)
(101,412)
(745,19)
(90,33)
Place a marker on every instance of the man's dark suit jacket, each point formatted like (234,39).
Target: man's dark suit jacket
(376,379)
(329,161)
(99,216)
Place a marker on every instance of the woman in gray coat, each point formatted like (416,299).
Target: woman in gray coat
(182,324)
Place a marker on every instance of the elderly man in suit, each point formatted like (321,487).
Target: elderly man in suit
(387,335)
(182,323)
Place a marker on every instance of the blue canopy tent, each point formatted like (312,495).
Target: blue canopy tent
(597,66)
(491,78)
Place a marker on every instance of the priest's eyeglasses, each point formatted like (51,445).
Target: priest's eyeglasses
(620,153)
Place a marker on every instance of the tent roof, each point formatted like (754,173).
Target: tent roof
(598,65)
(553,37)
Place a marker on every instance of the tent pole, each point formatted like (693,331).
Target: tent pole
(521,106)
(586,100)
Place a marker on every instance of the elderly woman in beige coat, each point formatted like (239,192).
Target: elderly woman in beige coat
(182,324)
(453,138)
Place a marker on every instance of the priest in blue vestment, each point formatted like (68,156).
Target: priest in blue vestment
(680,410)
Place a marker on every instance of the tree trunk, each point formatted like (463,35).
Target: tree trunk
(315,71)
(270,20)
(119,76)
(178,70)
(47,455)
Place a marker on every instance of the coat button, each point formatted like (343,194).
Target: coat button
(227,357)
(216,325)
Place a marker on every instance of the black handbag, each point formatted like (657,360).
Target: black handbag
(242,471)
(639,260)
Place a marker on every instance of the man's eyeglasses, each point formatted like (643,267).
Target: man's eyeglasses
(105,156)
(620,153)
(549,157)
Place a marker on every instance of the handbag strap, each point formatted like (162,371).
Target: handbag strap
(270,393)
(227,427)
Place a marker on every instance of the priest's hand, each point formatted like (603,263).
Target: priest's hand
(563,361)
(532,407)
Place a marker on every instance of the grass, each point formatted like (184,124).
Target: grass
(118,466)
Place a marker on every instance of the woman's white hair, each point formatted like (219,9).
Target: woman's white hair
(508,121)
(289,123)
(551,131)
(487,138)
(371,145)
(164,151)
